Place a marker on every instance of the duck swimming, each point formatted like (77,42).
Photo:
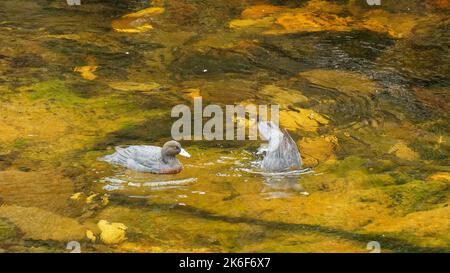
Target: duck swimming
(281,153)
(150,159)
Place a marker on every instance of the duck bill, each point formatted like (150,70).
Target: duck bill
(184,153)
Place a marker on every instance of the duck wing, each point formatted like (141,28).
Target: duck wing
(140,158)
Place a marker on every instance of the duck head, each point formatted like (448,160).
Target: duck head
(173,148)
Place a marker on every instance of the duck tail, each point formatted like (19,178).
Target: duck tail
(106,158)
(267,129)
(119,157)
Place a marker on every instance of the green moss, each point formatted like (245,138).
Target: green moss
(401,178)
(54,91)
(381,166)
(6,230)
(418,195)
(19,143)
(428,150)
(380,180)
(351,163)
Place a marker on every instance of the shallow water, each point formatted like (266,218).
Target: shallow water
(364,92)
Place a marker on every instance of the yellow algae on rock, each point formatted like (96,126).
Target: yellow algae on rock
(319,15)
(308,22)
(260,11)
(401,150)
(350,83)
(282,96)
(90,235)
(136,22)
(323,6)
(90,198)
(315,16)
(39,224)
(440,176)
(112,233)
(264,10)
(86,71)
(301,119)
(120,27)
(192,93)
(105,200)
(251,23)
(317,150)
(398,25)
(76,196)
(134,86)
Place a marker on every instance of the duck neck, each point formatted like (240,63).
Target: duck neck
(168,159)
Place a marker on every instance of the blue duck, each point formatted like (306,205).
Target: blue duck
(150,159)
(281,153)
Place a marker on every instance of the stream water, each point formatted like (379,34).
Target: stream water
(363,90)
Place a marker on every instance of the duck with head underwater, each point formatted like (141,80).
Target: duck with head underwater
(281,153)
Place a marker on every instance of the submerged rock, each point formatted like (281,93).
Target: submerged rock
(46,190)
(319,15)
(434,97)
(317,150)
(284,97)
(136,22)
(39,224)
(90,235)
(401,150)
(423,57)
(349,83)
(86,71)
(226,91)
(212,62)
(302,119)
(259,11)
(76,196)
(27,60)
(251,23)
(112,233)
